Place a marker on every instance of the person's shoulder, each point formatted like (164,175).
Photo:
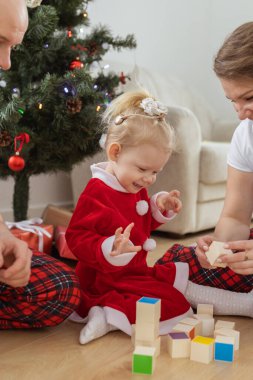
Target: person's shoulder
(244,131)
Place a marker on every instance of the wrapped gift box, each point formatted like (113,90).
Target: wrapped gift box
(56,216)
(37,235)
(61,244)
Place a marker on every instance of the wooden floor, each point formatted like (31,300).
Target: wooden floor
(55,354)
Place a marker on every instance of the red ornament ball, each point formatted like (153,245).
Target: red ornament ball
(16,163)
(76,65)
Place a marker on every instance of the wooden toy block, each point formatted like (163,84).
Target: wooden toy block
(229,333)
(224,348)
(187,329)
(224,324)
(215,250)
(205,308)
(155,343)
(147,332)
(194,323)
(202,349)
(179,345)
(207,323)
(143,360)
(148,310)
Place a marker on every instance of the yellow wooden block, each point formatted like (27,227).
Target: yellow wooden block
(202,349)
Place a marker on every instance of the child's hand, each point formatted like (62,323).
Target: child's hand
(203,244)
(169,201)
(122,243)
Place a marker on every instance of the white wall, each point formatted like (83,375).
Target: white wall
(179,37)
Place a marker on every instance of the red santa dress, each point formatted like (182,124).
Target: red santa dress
(117,282)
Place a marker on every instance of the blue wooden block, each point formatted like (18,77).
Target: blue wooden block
(223,352)
(149,300)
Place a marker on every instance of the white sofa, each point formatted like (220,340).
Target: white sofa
(198,167)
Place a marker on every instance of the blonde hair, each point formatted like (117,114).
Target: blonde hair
(235,57)
(136,127)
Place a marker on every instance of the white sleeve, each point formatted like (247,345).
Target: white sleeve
(241,149)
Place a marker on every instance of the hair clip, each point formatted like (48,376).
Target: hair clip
(153,107)
(119,119)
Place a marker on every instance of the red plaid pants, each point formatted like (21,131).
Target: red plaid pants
(223,278)
(49,298)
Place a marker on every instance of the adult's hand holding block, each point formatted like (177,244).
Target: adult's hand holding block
(216,250)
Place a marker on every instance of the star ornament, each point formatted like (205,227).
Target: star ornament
(33,3)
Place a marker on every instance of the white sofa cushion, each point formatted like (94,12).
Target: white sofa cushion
(213,162)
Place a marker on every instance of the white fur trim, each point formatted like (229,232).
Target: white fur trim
(142,207)
(166,326)
(157,215)
(182,277)
(149,245)
(75,317)
(119,260)
(118,319)
(98,171)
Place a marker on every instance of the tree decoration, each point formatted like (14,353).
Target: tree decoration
(76,64)
(17,163)
(57,103)
(5,139)
(67,89)
(74,105)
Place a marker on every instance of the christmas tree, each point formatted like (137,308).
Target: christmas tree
(51,99)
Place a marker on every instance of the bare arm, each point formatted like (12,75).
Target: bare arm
(234,222)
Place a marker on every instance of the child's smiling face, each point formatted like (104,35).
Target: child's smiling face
(137,167)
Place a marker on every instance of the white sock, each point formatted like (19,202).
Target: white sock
(75,317)
(225,302)
(96,326)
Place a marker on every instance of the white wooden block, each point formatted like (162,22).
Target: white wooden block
(143,360)
(202,349)
(215,250)
(146,331)
(148,310)
(229,333)
(178,345)
(187,329)
(194,323)
(205,308)
(224,348)
(207,323)
(155,343)
(224,324)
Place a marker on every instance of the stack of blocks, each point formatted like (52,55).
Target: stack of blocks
(201,341)
(146,339)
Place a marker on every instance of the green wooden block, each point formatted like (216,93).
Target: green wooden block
(143,360)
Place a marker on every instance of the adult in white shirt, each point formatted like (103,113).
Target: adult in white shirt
(234,67)
(229,289)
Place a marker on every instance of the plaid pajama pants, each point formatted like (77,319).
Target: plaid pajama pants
(223,278)
(49,298)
